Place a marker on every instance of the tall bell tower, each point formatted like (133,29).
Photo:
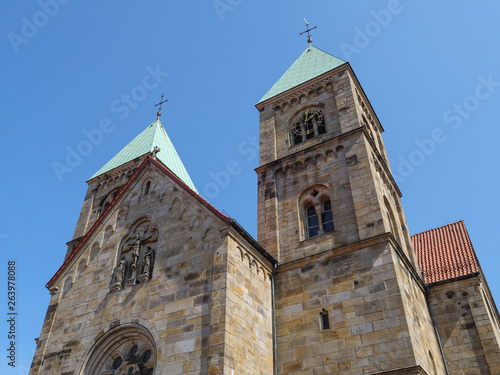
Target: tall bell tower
(321,142)
(349,292)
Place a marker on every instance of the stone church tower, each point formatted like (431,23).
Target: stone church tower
(350,299)
(158,281)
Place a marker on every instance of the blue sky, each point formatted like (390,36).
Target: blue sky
(430,69)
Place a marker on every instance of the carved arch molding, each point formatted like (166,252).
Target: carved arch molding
(125,350)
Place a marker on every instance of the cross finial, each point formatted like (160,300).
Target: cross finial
(159,104)
(155,151)
(308,31)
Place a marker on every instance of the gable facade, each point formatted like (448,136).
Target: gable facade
(172,282)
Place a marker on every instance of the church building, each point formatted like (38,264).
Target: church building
(158,281)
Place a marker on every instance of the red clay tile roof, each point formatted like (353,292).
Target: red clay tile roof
(444,253)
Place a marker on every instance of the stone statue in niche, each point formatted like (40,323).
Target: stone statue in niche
(147,264)
(136,252)
(119,275)
(136,259)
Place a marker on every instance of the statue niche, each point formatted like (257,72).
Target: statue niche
(136,258)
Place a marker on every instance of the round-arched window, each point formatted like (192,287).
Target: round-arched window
(125,350)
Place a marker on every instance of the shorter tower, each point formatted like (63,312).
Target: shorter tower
(156,280)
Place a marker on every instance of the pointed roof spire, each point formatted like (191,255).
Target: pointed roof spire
(152,141)
(312,63)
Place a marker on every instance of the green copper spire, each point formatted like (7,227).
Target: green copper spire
(311,64)
(153,136)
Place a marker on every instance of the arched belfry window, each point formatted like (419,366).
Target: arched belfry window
(308,124)
(316,211)
(126,350)
(107,199)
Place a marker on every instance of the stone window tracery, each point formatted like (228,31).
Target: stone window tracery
(128,350)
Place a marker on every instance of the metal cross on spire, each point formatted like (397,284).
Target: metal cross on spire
(159,104)
(308,31)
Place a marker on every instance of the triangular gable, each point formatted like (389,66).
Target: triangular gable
(122,191)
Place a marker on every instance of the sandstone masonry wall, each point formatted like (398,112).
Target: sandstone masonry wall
(421,327)
(357,285)
(465,328)
(249,340)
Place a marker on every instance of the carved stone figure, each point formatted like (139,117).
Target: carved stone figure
(147,263)
(136,248)
(119,275)
(135,251)
(120,270)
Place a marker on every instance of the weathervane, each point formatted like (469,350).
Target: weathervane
(159,104)
(308,31)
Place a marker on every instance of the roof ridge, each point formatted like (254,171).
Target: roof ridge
(440,227)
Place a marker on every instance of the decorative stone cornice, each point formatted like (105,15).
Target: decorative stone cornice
(125,170)
(305,153)
(297,97)
(307,161)
(295,94)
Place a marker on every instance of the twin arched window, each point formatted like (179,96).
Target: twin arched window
(316,211)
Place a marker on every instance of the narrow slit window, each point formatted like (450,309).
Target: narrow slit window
(327,217)
(312,222)
(324,319)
